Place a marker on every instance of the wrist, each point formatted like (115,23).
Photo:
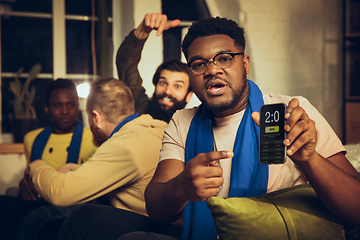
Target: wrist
(310,162)
(140,34)
(179,189)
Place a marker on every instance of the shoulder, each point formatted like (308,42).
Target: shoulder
(147,121)
(29,137)
(174,140)
(304,103)
(180,122)
(278,98)
(142,135)
(34,132)
(183,117)
(141,128)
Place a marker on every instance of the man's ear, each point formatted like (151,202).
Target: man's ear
(247,63)
(188,96)
(98,118)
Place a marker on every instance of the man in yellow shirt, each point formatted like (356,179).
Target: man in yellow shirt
(64,141)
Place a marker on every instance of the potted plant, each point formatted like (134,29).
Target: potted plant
(24,112)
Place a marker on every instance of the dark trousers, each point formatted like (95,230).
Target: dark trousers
(12,211)
(145,236)
(43,223)
(93,222)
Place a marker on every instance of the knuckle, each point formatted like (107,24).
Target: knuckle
(302,124)
(193,175)
(290,136)
(312,123)
(302,139)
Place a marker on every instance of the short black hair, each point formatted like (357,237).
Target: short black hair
(58,83)
(214,26)
(173,65)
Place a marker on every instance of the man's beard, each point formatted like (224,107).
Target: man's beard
(236,96)
(96,142)
(157,111)
(98,136)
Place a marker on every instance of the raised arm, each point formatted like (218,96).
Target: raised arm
(129,55)
(173,184)
(127,60)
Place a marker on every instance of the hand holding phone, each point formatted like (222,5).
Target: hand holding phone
(272,134)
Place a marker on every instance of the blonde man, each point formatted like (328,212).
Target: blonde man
(122,166)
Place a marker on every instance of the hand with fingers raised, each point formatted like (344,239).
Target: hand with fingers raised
(154,21)
(302,134)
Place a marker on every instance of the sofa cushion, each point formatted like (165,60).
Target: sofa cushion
(291,213)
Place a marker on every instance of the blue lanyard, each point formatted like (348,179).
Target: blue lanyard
(128,119)
(73,150)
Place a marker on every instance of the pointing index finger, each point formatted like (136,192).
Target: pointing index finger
(209,158)
(167,25)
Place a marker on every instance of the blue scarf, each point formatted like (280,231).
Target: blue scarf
(248,177)
(126,120)
(43,137)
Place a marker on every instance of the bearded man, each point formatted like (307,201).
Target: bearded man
(171,79)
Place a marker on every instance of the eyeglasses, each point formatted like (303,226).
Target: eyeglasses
(222,60)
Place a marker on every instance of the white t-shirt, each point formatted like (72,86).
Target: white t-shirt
(280,175)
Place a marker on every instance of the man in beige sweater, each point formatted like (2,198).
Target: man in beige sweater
(122,166)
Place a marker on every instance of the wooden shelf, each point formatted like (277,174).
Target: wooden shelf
(11,148)
(353,35)
(352,98)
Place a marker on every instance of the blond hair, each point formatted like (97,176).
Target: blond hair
(112,98)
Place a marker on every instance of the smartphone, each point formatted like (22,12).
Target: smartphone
(272,134)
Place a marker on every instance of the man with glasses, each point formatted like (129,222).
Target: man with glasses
(212,150)
(222,60)
(203,145)
(171,79)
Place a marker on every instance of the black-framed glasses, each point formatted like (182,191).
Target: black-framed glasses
(222,60)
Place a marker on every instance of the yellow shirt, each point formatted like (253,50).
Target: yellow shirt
(55,152)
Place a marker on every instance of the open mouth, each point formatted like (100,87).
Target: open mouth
(166,101)
(215,87)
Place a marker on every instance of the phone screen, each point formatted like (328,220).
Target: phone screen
(272,134)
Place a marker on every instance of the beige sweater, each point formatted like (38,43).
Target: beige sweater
(121,168)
